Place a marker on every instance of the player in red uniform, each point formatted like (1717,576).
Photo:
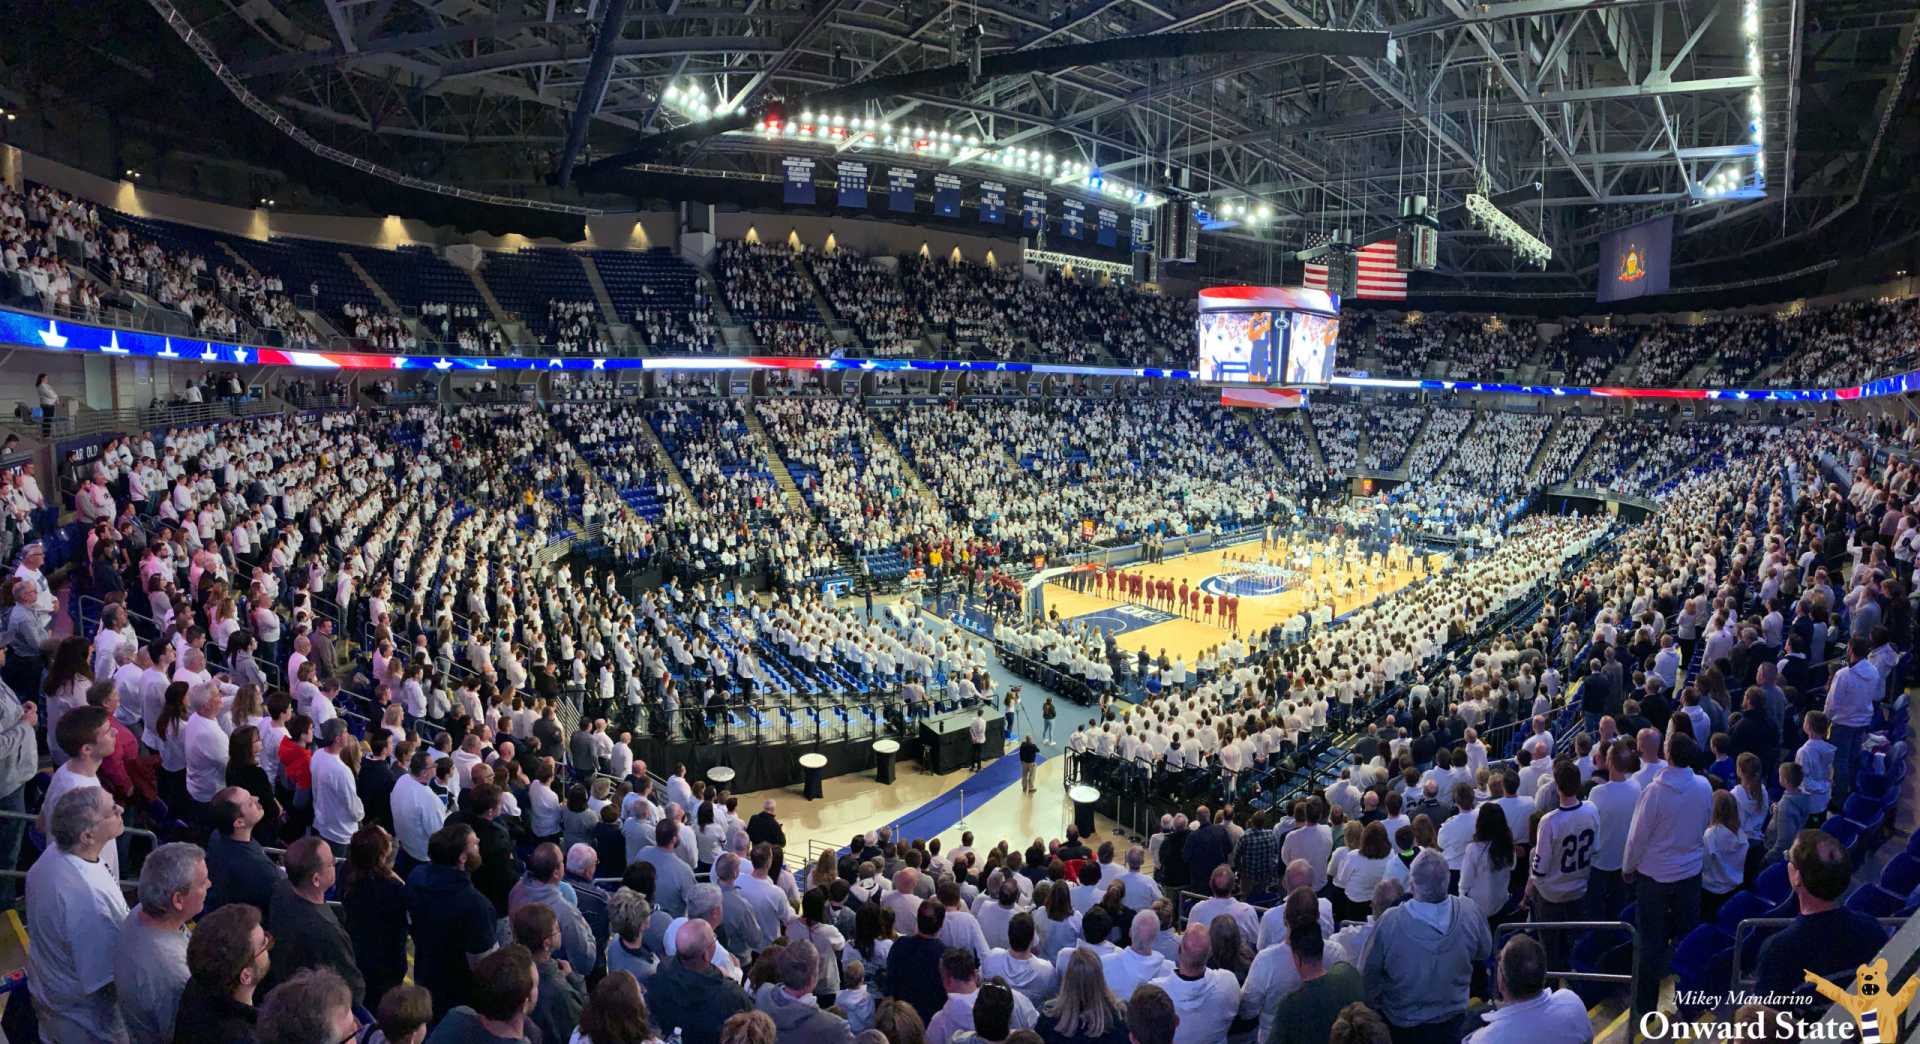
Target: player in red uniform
(1206,602)
(1233,611)
(1166,593)
(1183,598)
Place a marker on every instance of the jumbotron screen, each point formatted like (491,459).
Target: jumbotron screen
(1280,336)
(1242,347)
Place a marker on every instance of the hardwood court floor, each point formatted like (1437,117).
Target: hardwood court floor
(923,800)
(1189,638)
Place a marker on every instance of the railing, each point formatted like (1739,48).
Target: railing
(33,822)
(1574,975)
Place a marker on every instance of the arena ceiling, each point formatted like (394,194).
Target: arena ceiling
(1579,117)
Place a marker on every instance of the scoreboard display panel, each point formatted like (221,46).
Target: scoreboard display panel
(1273,336)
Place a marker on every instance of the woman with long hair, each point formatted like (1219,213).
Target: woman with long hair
(1084,1009)
(374,903)
(171,728)
(615,1013)
(1228,948)
(243,770)
(873,941)
(1053,923)
(710,835)
(1726,858)
(69,676)
(1486,871)
(815,926)
(576,819)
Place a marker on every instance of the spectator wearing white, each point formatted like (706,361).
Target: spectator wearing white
(1141,889)
(150,960)
(1850,699)
(337,809)
(1419,963)
(1033,976)
(1222,901)
(1206,999)
(206,744)
(75,921)
(417,811)
(1311,841)
(1613,803)
(1457,832)
(1663,860)
(960,977)
(1139,963)
(1529,1012)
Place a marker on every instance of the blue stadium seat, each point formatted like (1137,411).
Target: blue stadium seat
(1772,884)
(1901,875)
(1875,901)
(1739,907)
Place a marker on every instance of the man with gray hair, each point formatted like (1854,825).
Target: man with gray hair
(74,921)
(1141,889)
(1139,963)
(1419,963)
(28,642)
(150,962)
(791,1004)
(742,928)
(689,994)
(705,903)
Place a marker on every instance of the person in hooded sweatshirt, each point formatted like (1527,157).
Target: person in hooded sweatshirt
(960,977)
(1419,964)
(1205,998)
(1127,969)
(1016,964)
(790,1003)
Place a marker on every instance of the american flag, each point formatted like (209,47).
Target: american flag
(1377,279)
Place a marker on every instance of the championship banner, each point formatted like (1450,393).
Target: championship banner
(993,202)
(1142,233)
(1033,210)
(1109,227)
(901,183)
(799,179)
(1073,219)
(853,184)
(946,195)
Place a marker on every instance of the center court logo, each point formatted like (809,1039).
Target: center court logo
(1245,585)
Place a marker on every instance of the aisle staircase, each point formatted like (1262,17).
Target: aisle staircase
(372,284)
(1547,442)
(881,438)
(1313,439)
(607,310)
(665,460)
(243,264)
(500,315)
(778,467)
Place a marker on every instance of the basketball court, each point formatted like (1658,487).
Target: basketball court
(1224,571)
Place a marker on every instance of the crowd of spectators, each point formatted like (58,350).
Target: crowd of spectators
(866,294)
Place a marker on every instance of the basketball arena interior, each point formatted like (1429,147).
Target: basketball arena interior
(816,521)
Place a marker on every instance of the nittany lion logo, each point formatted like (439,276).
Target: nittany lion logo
(1874,1009)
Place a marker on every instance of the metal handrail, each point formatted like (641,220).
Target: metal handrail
(1735,977)
(1633,933)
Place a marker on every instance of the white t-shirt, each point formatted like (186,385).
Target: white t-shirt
(74,922)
